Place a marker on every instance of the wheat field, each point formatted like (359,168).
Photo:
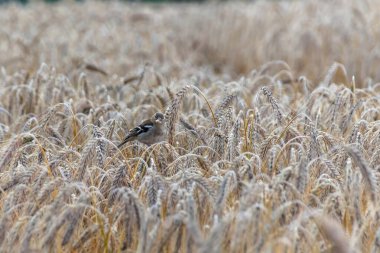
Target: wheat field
(272,113)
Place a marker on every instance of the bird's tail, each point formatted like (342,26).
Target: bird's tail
(123,142)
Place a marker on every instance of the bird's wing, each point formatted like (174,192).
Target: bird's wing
(135,132)
(142,128)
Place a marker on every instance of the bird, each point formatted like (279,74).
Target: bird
(149,131)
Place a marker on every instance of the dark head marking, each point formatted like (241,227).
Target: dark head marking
(159,116)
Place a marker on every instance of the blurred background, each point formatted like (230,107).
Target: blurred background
(220,39)
(147,1)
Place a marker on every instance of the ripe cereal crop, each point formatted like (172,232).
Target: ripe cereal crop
(271,112)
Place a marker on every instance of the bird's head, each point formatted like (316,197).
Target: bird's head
(159,117)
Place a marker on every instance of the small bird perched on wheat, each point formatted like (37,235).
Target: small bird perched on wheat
(150,131)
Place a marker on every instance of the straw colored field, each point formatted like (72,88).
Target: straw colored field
(272,146)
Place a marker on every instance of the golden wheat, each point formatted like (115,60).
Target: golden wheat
(272,117)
